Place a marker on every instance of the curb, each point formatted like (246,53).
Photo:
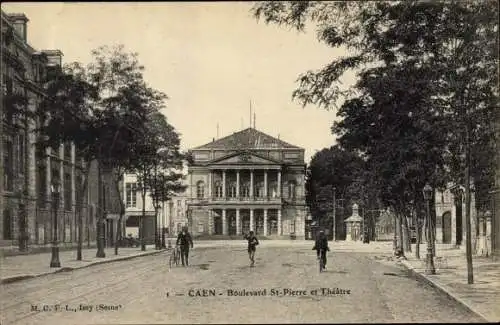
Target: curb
(18,278)
(449,293)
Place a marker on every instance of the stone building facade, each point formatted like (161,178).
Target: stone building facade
(450,216)
(247,181)
(26,172)
(177,213)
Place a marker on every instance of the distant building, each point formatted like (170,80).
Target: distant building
(247,181)
(177,216)
(133,210)
(450,216)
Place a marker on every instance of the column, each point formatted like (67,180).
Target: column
(279,222)
(251,220)
(265,222)
(251,185)
(210,222)
(210,185)
(237,184)
(191,183)
(224,223)
(238,222)
(265,184)
(224,184)
(279,184)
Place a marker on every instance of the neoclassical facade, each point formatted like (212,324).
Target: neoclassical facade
(247,181)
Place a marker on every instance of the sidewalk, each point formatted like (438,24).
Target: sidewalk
(482,297)
(19,267)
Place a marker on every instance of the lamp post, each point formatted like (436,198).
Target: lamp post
(429,266)
(55,189)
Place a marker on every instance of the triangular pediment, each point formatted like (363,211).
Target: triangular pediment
(243,158)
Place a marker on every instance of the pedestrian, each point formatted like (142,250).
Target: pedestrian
(252,246)
(321,245)
(184,241)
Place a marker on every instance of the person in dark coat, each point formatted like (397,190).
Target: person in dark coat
(321,245)
(184,240)
(252,246)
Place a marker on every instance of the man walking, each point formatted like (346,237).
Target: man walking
(184,240)
(252,246)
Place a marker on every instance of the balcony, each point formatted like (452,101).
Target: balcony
(275,200)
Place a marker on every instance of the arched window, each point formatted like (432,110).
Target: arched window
(259,190)
(292,185)
(218,189)
(7,224)
(232,190)
(200,189)
(245,190)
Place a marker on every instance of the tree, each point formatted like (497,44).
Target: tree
(156,173)
(436,44)
(102,109)
(331,169)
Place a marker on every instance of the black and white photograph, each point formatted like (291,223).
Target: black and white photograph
(260,162)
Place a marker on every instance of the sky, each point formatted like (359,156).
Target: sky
(211,59)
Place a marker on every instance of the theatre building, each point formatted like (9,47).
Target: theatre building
(247,181)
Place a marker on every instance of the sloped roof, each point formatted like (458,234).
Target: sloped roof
(249,138)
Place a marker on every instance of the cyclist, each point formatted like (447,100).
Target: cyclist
(321,244)
(252,246)
(184,240)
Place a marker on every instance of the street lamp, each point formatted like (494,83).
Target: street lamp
(55,189)
(429,267)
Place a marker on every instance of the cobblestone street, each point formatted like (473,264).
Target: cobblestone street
(144,290)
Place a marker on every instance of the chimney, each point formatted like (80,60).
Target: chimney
(20,23)
(54,57)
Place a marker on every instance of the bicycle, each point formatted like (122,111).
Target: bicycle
(321,261)
(175,256)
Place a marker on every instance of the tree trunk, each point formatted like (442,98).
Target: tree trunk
(83,189)
(119,235)
(418,228)
(406,234)
(468,239)
(400,232)
(143,216)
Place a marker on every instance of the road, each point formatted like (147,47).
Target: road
(144,290)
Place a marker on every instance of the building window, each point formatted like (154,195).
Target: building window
(7,224)
(292,189)
(259,190)
(232,190)
(218,189)
(67,151)
(21,143)
(131,195)
(67,192)
(78,189)
(42,184)
(200,190)
(8,164)
(245,191)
